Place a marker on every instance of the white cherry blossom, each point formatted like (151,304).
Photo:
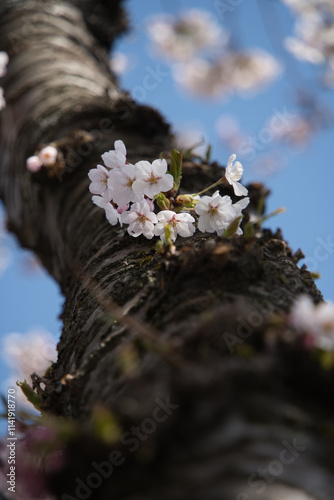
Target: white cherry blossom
(121,182)
(181,224)
(140,219)
(215,213)
(99,185)
(115,158)
(151,178)
(233,174)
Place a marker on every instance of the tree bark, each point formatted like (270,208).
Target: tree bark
(141,329)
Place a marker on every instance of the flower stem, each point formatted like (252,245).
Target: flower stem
(221,181)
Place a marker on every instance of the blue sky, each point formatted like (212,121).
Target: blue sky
(303,184)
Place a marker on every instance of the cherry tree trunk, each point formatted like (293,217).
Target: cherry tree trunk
(179,348)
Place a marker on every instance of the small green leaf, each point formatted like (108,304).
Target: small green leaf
(260,206)
(232,228)
(30,394)
(168,235)
(208,153)
(272,214)
(105,425)
(176,168)
(189,153)
(245,351)
(249,230)
(159,246)
(326,359)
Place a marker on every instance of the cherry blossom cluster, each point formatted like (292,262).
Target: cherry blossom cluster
(3,68)
(233,72)
(316,322)
(181,38)
(203,62)
(314,34)
(131,195)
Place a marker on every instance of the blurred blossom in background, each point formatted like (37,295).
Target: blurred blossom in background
(120,63)
(202,60)
(313,39)
(24,354)
(182,37)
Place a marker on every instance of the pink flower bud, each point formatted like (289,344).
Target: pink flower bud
(33,164)
(122,208)
(48,155)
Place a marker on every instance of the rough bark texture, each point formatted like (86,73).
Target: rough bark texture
(195,326)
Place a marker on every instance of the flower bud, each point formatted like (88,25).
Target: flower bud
(48,155)
(33,164)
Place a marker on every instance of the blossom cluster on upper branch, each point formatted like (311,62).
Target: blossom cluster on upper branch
(204,61)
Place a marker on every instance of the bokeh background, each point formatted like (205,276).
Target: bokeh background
(296,164)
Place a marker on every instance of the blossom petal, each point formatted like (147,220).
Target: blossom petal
(231,160)
(239,189)
(111,214)
(240,205)
(120,146)
(166,183)
(114,159)
(142,169)
(204,224)
(159,167)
